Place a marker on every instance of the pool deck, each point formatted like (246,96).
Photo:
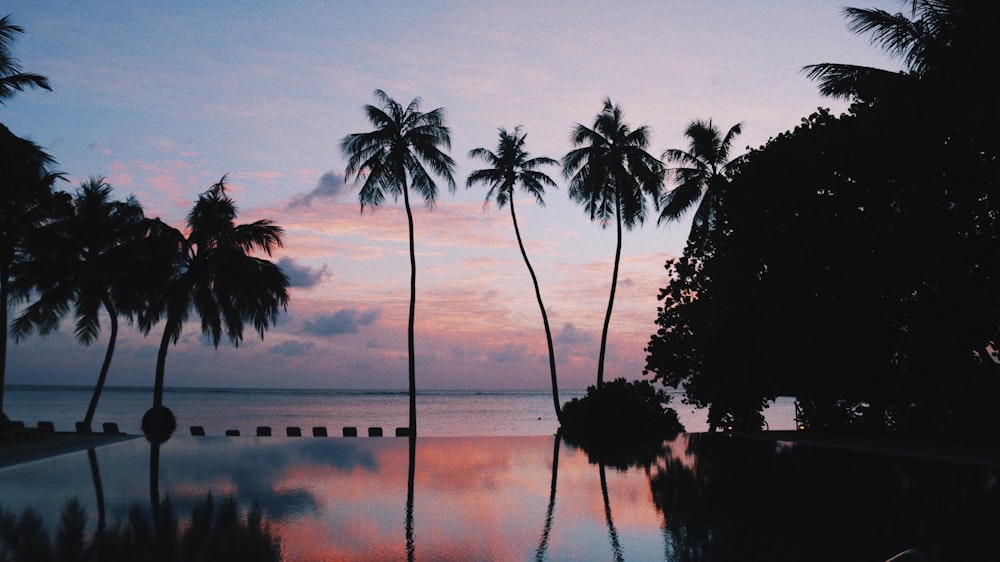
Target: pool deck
(49,444)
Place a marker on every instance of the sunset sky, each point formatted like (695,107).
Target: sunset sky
(162,99)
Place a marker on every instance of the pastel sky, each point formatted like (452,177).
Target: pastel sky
(162,99)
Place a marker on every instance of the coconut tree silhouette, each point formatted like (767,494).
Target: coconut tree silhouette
(610,174)
(511,166)
(90,258)
(25,183)
(12,79)
(946,47)
(703,172)
(391,160)
(213,273)
(27,202)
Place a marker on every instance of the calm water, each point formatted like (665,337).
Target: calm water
(698,498)
(440,414)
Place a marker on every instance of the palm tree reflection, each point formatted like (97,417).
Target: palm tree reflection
(616,546)
(543,545)
(95,473)
(409,497)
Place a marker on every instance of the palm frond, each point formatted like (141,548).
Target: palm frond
(678,200)
(895,33)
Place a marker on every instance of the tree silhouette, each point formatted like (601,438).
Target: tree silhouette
(945,46)
(90,257)
(703,172)
(610,174)
(213,273)
(512,166)
(26,203)
(25,183)
(12,79)
(391,160)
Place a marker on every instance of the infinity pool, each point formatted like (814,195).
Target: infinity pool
(507,498)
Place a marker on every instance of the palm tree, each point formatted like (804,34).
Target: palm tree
(705,168)
(11,77)
(610,174)
(87,258)
(26,203)
(948,44)
(213,274)
(393,159)
(512,166)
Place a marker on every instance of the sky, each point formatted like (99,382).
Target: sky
(163,99)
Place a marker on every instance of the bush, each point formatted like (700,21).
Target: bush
(620,411)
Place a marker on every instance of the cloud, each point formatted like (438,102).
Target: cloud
(292,348)
(302,275)
(570,336)
(508,354)
(343,321)
(329,185)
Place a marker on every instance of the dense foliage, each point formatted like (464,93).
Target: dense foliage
(854,265)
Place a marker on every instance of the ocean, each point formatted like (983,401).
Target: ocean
(449,413)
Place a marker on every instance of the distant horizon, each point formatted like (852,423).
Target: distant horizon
(22,386)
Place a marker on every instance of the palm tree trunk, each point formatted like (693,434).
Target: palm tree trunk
(545,317)
(4,285)
(99,387)
(611,299)
(413,308)
(161,364)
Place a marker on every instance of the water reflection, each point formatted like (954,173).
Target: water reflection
(758,500)
(698,498)
(410,476)
(543,544)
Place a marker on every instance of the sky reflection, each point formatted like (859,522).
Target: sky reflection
(533,498)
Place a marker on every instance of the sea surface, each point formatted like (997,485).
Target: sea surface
(451,413)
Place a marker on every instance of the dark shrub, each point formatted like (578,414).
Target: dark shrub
(620,411)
